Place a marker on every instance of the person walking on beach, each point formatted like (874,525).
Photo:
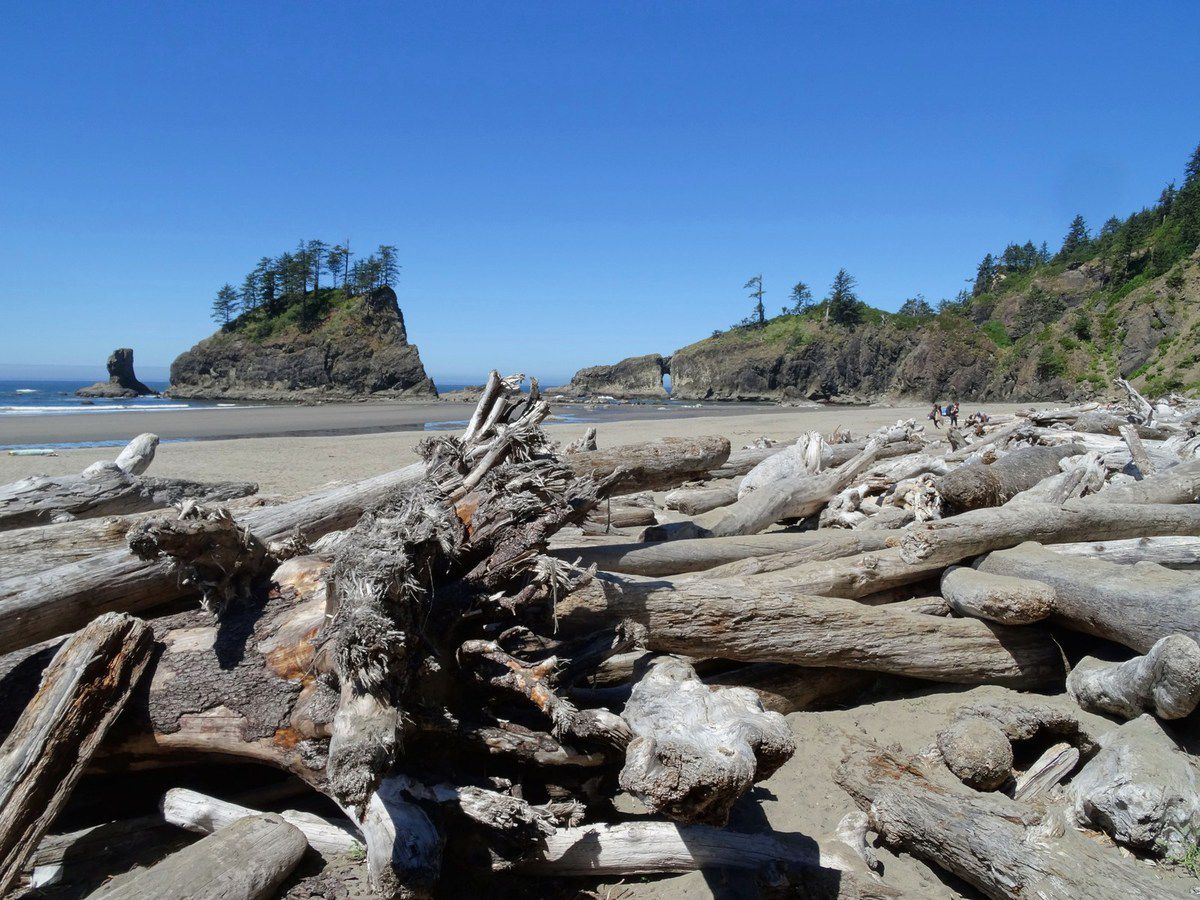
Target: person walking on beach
(935,414)
(954,414)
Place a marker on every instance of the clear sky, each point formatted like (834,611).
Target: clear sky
(568,183)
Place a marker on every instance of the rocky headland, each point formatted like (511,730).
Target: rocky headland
(357,348)
(122,382)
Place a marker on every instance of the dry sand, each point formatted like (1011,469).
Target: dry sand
(291,464)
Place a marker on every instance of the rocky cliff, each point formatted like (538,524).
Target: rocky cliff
(358,347)
(638,377)
(122,382)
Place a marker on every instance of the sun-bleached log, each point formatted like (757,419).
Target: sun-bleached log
(1165,681)
(1143,466)
(1084,475)
(84,689)
(1048,770)
(977,751)
(791,498)
(699,554)
(801,458)
(1141,406)
(696,750)
(652,465)
(976,486)
(247,860)
(35,607)
(786,689)
(1004,848)
(1178,484)
(1172,552)
(650,848)
(778,622)
(692,501)
(824,544)
(1010,601)
(1134,605)
(1142,788)
(1103,422)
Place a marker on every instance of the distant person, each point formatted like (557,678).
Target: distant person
(954,414)
(935,415)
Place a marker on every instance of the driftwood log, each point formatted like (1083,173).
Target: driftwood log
(1004,848)
(653,465)
(1166,681)
(696,749)
(1010,601)
(1134,605)
(977,486)
(1172,552)
(247,860)
(83,691)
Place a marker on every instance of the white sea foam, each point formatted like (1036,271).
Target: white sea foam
(78,408)
(26,391)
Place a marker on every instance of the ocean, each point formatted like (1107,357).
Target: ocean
(32,397)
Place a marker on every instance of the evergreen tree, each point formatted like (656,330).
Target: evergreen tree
(388,268)
(225,306)
(984,275)
(337,263)
(316,251)
(801,298)
(843,308)
(251,294)
(268,284)
(293,280)
(754,286)
(1077,238)
(1191,171)
(1109,228)
(1044,254)
(918,307)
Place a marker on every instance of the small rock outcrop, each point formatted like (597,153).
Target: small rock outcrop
(635,378)
(359,349)
(122,382)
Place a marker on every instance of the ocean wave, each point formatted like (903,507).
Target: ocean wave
(79,408)
(26,391)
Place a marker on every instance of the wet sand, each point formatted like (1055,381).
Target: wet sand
(293,459)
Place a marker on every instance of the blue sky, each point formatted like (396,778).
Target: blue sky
(568,183)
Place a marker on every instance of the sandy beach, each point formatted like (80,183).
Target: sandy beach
(298,449)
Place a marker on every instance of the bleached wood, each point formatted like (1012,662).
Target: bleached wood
(84,689)
(1178,484)
(1165,681)
(977,486)
(692,501)
(1048,770)
(1137,452)
(243,861)
(1172,552)
(653,465)
(1010,601)
(1141,406)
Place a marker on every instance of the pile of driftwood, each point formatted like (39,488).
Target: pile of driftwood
(465,660)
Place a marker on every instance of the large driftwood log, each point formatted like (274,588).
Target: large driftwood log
(36,607)
(759,620)
(1004,848)
(1142,788)
(1166,681)
(823,544)
(83,691)
(1010,601)
(696,750)
(977,486)
(650,848)
(1134,605)
(699,554)
(1178,484)
(247,860)
(107,491)
(1172,552)
(692,501)
(791,498)
(653,465)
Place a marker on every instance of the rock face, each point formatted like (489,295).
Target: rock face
(361,349)
(121,380)
(638,377)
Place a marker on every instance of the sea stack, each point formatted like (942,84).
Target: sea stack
(122,382)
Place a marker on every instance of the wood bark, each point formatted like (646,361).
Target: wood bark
(977,486)
(243,861)
(1004,848)
(1165,681)
(649,848)
(1134,605)
(83,690)
(42,499)
(791,498)
(1048,770)
(758,620)
(699,554)
(1010,601)
(653,465)
(36,607)
(696,750)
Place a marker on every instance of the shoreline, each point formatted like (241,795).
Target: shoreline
(290,465)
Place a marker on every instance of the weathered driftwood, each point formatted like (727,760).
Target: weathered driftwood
(653,465)
(696,750)
(1010,601)
(783,548)
(649,848)
(692,501)
(786,689)
(1004,848)
(1142,788)
(777,622)
(977,752)
(1172,552)
(1142,407)
(203,814)
(619,515)
(1048,770)
(35,607)
(791,498)
(243,861)
(1134,605)
(822,545)
(801,458)
(1084,475)
(976,486)
(1166,681)
(1142,466)
(1178,484)
(83,691)
(107,491)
